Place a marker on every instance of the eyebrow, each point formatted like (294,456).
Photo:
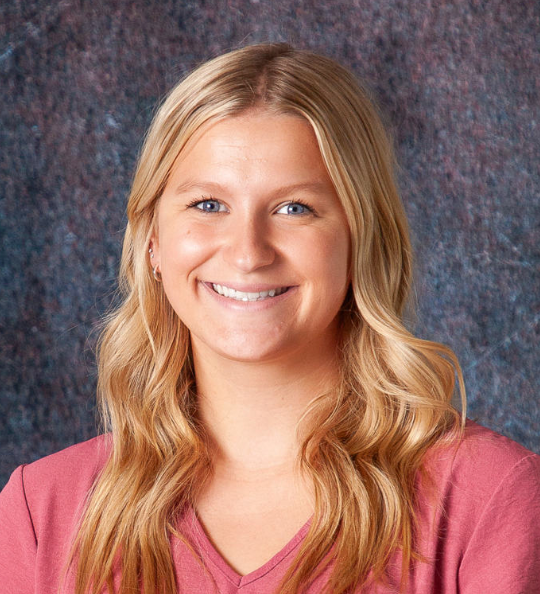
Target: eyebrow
(315,187)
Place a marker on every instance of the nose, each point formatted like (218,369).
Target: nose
(249,245)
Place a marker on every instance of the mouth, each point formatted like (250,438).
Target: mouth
(231,293)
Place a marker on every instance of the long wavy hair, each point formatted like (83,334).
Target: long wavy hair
(365,441)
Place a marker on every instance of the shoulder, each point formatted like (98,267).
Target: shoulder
(487,486)
(484,461)
(73,466)
(40,509)
(489,521)
(482,528)
(54,488)
(479,439)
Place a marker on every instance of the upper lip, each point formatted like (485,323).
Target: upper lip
(249,287)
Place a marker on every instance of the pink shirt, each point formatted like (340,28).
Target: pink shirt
(485,538)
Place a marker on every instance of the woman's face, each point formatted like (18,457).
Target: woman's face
(252,241)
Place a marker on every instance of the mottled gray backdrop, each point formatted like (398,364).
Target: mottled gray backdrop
(79,79)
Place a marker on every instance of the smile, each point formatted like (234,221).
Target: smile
(243,296)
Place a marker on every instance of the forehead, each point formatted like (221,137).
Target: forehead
(250,145)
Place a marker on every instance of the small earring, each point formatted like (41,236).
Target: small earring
(155,270)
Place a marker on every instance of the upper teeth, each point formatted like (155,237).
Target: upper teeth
(243,296)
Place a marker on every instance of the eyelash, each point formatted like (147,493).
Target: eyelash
(301,203)
(198,201)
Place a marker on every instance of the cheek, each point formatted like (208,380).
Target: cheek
(334,256)
(182,249)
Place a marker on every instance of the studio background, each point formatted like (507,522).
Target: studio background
(79,80)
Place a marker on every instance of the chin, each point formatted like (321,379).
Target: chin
(251,354)
(243,348)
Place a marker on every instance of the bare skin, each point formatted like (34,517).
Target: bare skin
(250,206)
(257,499)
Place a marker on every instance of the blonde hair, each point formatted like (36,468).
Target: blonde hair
(367,439)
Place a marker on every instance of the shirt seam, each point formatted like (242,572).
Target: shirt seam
(27,505)
(495,492)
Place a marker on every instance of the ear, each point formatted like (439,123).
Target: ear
(153,249)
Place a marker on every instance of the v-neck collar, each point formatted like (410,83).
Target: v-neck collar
(210,552)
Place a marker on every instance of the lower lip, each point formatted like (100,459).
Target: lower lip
(248,305)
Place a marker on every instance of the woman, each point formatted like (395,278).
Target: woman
(273,425)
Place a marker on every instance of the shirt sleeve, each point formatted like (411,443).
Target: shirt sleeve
(18,544)
(503,554)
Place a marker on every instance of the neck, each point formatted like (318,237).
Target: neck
(251,410)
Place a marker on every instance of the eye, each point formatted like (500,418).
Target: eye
(295,208)
(208,205)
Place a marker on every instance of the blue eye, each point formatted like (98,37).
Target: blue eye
(208,205)
(294,208)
